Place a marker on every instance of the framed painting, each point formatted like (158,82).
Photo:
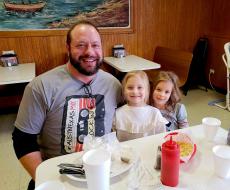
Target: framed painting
(44,17)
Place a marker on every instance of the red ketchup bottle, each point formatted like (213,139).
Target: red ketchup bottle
(170,163)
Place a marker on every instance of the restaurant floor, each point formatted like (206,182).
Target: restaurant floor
(14,177)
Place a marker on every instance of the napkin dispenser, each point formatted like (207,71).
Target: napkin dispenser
(8,58)
(119,51)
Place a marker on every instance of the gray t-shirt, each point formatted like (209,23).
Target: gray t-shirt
(63,109)
(177,118)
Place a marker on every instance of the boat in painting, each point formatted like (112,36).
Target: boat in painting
(24,7)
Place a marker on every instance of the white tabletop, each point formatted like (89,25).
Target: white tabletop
(197,174)
(131,63)
(17,74)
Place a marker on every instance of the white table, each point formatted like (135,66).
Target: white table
(197,174)
(131,63)
(17,74)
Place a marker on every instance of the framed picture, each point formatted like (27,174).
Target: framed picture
(46,16)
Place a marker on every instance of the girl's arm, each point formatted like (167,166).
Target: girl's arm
(114,123)
(182,117)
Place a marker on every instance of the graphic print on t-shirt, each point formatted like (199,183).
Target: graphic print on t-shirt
(82,115)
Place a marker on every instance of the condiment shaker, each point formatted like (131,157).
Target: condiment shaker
(228,137)
(158,159)
(170,163)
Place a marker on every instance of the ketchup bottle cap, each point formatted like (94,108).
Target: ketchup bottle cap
(171,144)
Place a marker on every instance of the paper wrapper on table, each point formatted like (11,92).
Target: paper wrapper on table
(187,146)
(108,142)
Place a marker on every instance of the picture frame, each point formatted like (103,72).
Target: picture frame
(62,31)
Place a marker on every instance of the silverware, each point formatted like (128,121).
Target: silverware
(67,168)
(70,171)
(70,166)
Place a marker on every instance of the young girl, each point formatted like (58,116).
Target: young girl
(137,119)
(166,97)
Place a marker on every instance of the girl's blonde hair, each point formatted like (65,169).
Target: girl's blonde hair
(175,96)
(144,78)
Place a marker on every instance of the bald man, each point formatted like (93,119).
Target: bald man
(60,107)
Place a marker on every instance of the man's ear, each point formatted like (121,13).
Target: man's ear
(68,47)
(68,50)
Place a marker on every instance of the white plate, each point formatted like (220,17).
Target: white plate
(51,185)
(118,167)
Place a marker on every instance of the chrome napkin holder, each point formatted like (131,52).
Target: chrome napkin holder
(8,58)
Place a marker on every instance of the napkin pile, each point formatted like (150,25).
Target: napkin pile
(108,142)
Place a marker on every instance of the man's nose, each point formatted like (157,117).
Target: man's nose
(89,49)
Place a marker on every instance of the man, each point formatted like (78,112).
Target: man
(65,104)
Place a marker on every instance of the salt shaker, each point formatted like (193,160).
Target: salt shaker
(158,159)
(228,138)
(170,163)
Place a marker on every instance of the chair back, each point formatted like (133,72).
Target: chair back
(177,61)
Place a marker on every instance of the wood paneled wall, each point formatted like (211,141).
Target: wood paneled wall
(176,24)
(218,34)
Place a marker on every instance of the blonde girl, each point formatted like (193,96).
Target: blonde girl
(136,118)
(166,97)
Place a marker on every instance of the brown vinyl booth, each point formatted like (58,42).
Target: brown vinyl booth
(178,61)
(174,60)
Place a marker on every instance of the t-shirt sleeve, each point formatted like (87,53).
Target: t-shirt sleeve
(119,97)
(160,123)
(32,111)
(182,117)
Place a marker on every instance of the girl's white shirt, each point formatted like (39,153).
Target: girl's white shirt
(134,122)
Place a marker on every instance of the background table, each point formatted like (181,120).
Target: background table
(198,173)
(131,63)
(17,74)
(12,84)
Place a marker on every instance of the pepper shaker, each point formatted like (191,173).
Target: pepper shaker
(158,159)
(228,137)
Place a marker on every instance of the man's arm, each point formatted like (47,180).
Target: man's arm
(27,150)
(30,162)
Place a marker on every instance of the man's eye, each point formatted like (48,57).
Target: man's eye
(96,46)
(140,87)
(80,45)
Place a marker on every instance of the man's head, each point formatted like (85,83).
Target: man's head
(84,47)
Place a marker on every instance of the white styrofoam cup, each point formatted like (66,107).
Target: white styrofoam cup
(210,126)
(97,163)
(221,155)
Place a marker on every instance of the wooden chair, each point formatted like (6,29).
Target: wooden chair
(177,61)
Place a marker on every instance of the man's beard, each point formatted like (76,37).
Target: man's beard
(77,65)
